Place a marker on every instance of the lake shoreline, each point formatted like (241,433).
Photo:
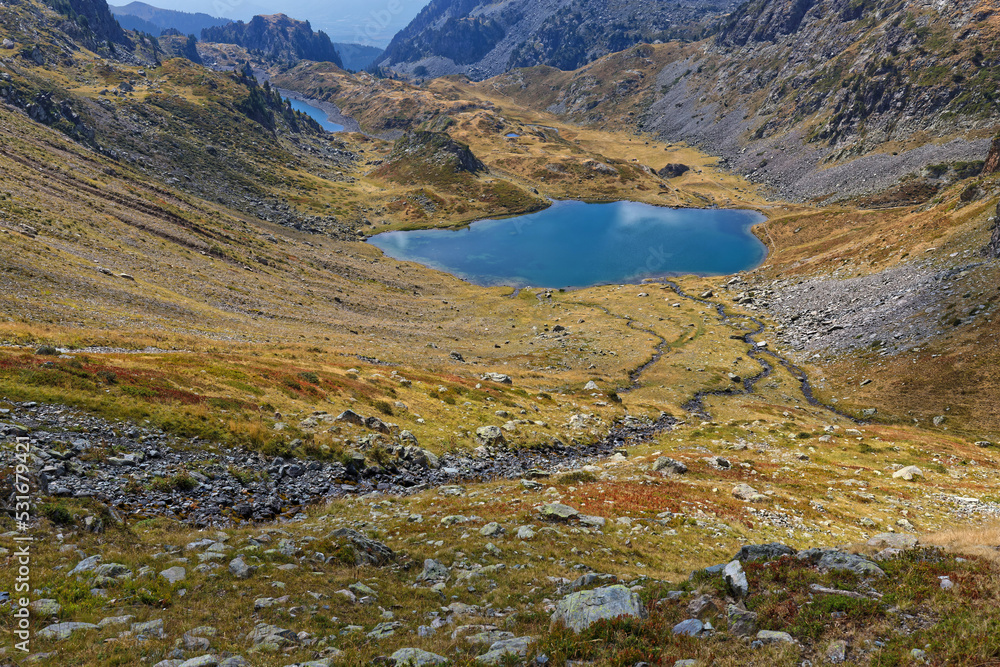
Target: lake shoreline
(573,244)
(331,110)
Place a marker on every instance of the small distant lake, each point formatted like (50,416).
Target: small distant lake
(512,135)
(576,244)
(316,114)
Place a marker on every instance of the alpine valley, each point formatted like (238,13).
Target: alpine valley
(236,432)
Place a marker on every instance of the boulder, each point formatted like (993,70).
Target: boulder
(492,529)
(264,633)
(415,657)
(240,569)
(350,417)
(909,473)
(673,170)
(174,574)
(497,377)
(736,579)
(501,651)
(489,436)
(201,661)
(152,628)
(45,607)
(831,559)
(747,493)
(578,611)
(665,463)
(558,512)
(893,541)
(773,637)
(366,551)
(113,570)
(742,623)
(434,571)
(763,552)
(690,628)
(60,631)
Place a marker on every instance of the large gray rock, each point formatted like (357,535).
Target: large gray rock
(893,541)
(174,574)
(45,607)
(558,512)
(350,417)
(742,623)
(489,435)
(763,552)
(578,611)
(736,580)
(689,628)
(501,651)
(489,637)
(266,634)
(64,630)
(839,560)
(86,565)
(201,661)
(415,657)
(667,464)
(366,551)
(152,628)
(240,569)
(747,493)
(498,377)
(492,529)
(909,473)
(772,637)
(434,571)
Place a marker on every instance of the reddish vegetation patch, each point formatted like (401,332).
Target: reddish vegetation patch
(628,496)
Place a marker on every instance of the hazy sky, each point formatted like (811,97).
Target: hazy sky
(363,21)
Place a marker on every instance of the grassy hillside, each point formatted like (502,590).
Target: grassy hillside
(216,375)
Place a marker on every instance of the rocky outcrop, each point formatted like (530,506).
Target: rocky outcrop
(992,163)
(673,170)
(578,611)
(483,39)
(277,36)
(763,21)
(440,149)
(992,249)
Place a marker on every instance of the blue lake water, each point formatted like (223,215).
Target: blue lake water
(512,135)
(316,114)
(576,244)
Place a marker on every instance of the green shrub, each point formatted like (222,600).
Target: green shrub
(57,513)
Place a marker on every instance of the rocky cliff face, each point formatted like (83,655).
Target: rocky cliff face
(820,99)
(277,36)
(91,21)
(993,248)
(484,39)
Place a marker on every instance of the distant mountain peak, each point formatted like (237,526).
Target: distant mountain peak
(279,37)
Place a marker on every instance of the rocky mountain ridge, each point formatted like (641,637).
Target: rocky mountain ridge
(485,39)
(820,100)
(278,37)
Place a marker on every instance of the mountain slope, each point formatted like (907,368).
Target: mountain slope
(357,57)
(483,39)
(817,98)
(91,21)
(278,37)
(186,22)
